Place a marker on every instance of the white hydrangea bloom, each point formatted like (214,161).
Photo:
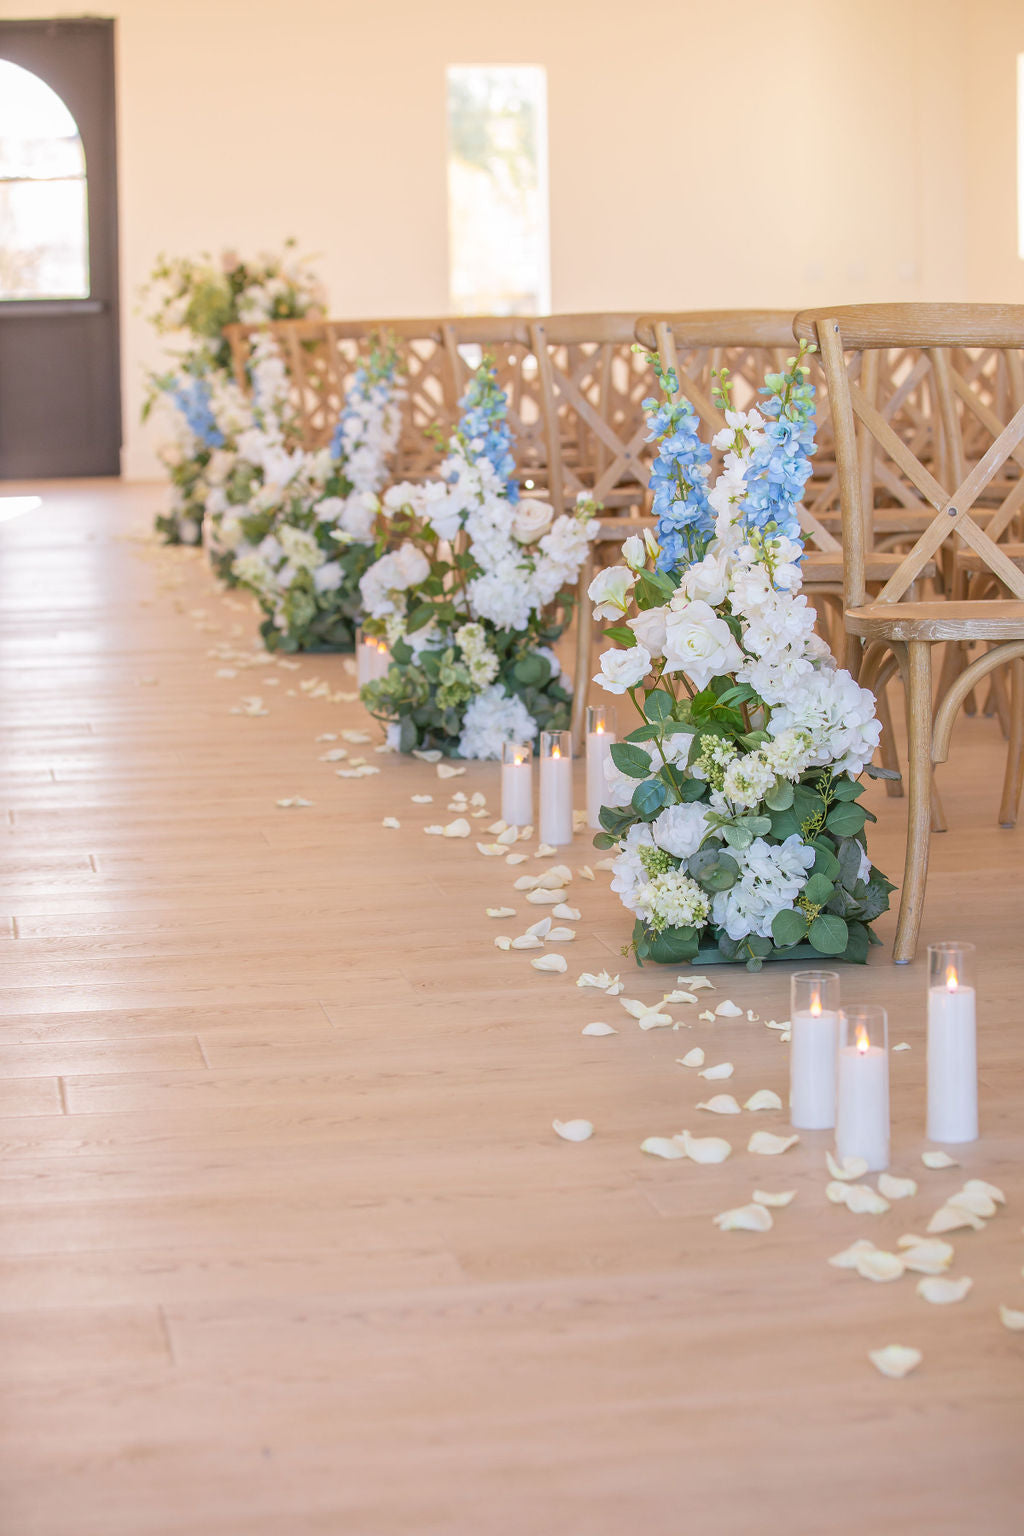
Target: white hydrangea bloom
(492,718)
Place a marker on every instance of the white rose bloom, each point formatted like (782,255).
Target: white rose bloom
(699,643)
(530,519)
(623,669)
(707,581)
(610,592)
(358,515)
(412,565)
(404,494)
(444,513)
(649,628)
(680,829)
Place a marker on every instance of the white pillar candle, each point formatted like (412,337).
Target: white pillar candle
(952,1046)
(372,658)
(862,1090)
(813,1050)
(517,784)
(555,787)
(600,736)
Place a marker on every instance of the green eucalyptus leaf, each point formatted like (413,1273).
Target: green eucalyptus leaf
(789,927)
(828,934)
(658,704)
(845,788)
(674,946)
(713,869)
(649,798)
(737,835)
(631,760)
(818,890)
(622,635)
(780,796)
(846,819)
(785,824)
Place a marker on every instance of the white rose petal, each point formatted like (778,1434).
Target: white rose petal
(392,823)
(728,1010)
(573,1130)
(764,1098)
(950,1218)
(895,1360)
(556,963)
(745,1218)
(979,1186)
(776,1200)
(501,911)
(448,771)
(876,1264)
(767,1145)
(941,1291)
(721,1104)
(1011,1319)
(662,1146)
(571,914)
(850,1257)
(705,1149)
(694,1058)
(850,1168)
(716,1074)
(896,1189)
(597,1028)
(938,1160)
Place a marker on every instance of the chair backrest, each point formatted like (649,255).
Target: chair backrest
(934,465)
(468,340)
(593,384)
(322,356)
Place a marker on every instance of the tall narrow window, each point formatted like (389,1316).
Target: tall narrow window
(498,189)
(44,234)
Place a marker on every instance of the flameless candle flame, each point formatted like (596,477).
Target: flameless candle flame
(952,983)
(599,728)
(556,751)
(816,1007)
(863,1043)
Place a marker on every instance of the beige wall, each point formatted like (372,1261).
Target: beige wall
(795,153)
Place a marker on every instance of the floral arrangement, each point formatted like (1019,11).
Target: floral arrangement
(733,805)
(472,595)
(192,301)
(299,529)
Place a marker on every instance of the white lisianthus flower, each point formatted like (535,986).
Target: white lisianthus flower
(680,829)
(699,643)
(634,552)
(531,518)
(610,592)
(623,669)
(649,628)
(748,779)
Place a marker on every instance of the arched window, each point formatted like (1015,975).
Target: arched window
(44,217)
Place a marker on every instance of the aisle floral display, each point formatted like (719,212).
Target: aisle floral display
(734,803)
(471,596)
(299,529)
(190,302)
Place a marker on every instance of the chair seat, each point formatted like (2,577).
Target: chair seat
(970,560)
(991,620)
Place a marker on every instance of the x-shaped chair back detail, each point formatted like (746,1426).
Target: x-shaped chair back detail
(468,340)
(942,480)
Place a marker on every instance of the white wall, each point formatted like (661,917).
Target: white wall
(803,152)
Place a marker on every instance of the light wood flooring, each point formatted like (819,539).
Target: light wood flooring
(289,1247)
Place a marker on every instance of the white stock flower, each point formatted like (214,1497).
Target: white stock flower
(748,779)
(699,643)
(610,592)
(623,669)
(674,900)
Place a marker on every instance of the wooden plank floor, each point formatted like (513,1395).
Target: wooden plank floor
(288,1245)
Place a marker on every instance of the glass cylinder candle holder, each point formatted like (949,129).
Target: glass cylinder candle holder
(517,783)
(555,787)
(952,1044)
(814,1044)
(862,1085)
(372,658)
(600,736)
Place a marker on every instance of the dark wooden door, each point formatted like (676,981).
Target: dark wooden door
(60,392)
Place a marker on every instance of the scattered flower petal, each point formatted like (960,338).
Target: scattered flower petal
(571,914)
(600,980)
(980,1187)
(586,873)
(717,1074)
(745,1218)
(662,1146)
(449,771)
(458,828)
(694,1058)
(764,1098)
(721,1104)
(707,1017)
(973,1200)
(941,1291)
(573,1130)
(769,1145)
(561,935)
(497,826)
(528,941)
(422,799)
(894,1188)
(903,1046)
(491,850)
(895,1360)
(335,755)
(927,1256)
(501,911)
(775,1200)
(541,929)
(1011,1319)
(551,963)
(876,1264)
(392,823)
(503,941)
(938,1160)
(728,1010)
(545,851)
(705,1149)
(597,1028)
(695,983)
(544,898)
(849,1168)
(850,1257)
(516,858)
(605,864)
(433,756)
(294,802)
(862,1200)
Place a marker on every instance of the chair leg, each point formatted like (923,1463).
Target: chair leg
(939,822)
(998,702)
(919,788)
(887,745)
(584,654)
(1014,778)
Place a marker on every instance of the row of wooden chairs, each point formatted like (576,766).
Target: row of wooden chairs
(925,402)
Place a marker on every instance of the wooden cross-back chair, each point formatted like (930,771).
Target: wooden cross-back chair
(322,356)
(895,626)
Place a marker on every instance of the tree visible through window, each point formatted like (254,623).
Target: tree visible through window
(44,231)
(497,190)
